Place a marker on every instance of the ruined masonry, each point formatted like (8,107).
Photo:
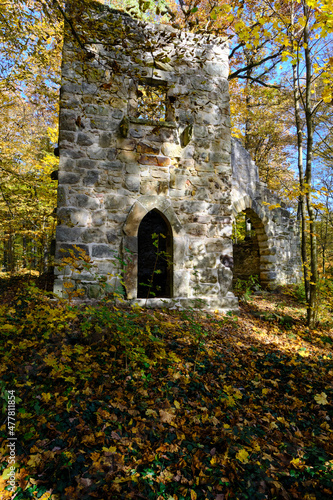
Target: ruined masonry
(145,149)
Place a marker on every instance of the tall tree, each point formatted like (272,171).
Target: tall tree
(306,54)
(29,82)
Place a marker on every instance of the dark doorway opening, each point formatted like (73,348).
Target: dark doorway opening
(245,248)
(154,256)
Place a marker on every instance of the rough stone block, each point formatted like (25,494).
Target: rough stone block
(149,187)
(66,136)
(225,231)
(199,131)
(176,194)
(96,153)
(202,261)
(84,139)
(89,88)
(95,291)
(64,233)
(85,201)
(85,163)
(219,157)
(146,148)
(196,229)
(118,114)
(101,123)
(171,149)
(191,207)
(67,122)
(102,252)
(115,165)
(127,156)
(180,245)
(66,164)
(196,247)
(111,236)
(160,173)
(105,139)
(132,182)
(161,161)
(112,154)
(99,217)
(68,178)
(71,153)
(268,276)
(147,160)
(91,178)
(218,245)
(179,181)
(208,276)
(136,133)
(106,266)
(268,259)
(130,279)
(94,235)
(58,287)
(162,187)
(133,169)
(115,202)
(127,144)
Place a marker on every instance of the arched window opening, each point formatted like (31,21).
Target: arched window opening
(246,249)
(155,254)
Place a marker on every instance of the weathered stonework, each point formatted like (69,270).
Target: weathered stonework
(277,232)
(116,167)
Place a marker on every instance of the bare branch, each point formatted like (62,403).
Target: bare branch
(256,80)
(237,73)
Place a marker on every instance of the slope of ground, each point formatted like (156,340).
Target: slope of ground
(126,403)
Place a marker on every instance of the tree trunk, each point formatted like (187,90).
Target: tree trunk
(312,304)
(248,121)
(24,252)
(302,199)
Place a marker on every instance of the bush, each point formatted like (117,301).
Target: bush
(244,288)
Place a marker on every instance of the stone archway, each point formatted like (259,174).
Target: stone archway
(246,254)
(276,230)
(131,245)
(258,253)
(155,256)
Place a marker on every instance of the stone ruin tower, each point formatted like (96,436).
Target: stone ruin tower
(145,162)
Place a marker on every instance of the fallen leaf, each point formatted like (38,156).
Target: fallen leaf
(321,398)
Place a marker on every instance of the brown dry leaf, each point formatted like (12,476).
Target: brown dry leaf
(166,417)
(114,435)
(85,482)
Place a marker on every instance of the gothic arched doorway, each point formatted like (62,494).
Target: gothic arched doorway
(155,254)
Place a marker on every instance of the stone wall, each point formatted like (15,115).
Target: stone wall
(119,161)
(276,230)
(116,165)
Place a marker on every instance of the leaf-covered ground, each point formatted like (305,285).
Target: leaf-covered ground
(116,403)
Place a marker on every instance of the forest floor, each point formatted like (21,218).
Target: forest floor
(116,403)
